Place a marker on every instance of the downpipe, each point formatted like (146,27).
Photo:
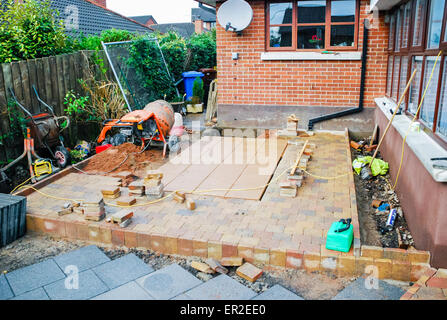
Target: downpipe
(362,86)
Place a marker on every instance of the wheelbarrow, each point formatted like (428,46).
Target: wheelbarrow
(43,134)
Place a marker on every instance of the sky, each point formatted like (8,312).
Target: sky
(164,11)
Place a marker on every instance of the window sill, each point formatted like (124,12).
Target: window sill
(423,146)
(311,55)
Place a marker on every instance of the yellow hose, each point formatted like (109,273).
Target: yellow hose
(414,118)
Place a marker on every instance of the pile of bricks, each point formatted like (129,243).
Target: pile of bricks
(180,197)
(93,208)
(111,192)
(246,270)
(153,185)
(295,178)
(136,189)
(123,218)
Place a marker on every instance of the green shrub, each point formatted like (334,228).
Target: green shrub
(202,51)
(146,59)
(197,89)
(29,30)
(93,42)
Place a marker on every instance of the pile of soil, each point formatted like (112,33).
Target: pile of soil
(134,161)
(372,221)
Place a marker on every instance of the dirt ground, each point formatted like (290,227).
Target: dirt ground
(372,222)
(34,248)
(126,157)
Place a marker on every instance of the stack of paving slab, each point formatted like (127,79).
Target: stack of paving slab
(111,192)
(136,189)
(154,188)
(93,208)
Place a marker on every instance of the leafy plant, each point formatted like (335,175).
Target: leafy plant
(201,51)
(146,59)
(93,42)
(29,30)
(76,106)
(197,89)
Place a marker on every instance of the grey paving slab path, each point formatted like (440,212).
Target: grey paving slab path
(89,285)
(34,276)
(357,290)
(128,291)
(221,287)
(84,258)
(5,289)
(168,282)
(277,292)
(122,270)
(36,294)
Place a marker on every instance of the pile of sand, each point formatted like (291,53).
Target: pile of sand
(112,157)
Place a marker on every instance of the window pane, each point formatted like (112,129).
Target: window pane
(416,63)
(398,31)
(406,24)
(419,22)
(280,36)
(311,37)
(403,79)
(389,76)
(396,78)
(343,11)
(435,23)
(442,116)
(428,106)
(280,13)
(391,35)
(342,36)
(311,11)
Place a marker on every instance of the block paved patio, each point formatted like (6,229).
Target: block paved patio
(287,232)
(125,278)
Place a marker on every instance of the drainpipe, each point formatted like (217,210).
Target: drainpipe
(362,87)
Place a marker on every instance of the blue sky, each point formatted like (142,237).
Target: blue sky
(164,11)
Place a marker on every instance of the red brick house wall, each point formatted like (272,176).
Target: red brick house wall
(251,81)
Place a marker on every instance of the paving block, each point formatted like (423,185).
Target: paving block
(231,261)
(122,270)
(277,292)
(84,258)
(128,291)
(294,259)
(89,285)
(401,270)
(372,252)
(5,289)
(249,272)
(36,294)
(221,287)
(168,282)
(182,296)
(437,282)
(357,290)
(202,267)
(34,276)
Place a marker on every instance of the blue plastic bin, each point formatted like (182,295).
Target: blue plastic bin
(188,79)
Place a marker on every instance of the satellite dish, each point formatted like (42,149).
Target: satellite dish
(235,15)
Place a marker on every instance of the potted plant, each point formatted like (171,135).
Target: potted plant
(195,105)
